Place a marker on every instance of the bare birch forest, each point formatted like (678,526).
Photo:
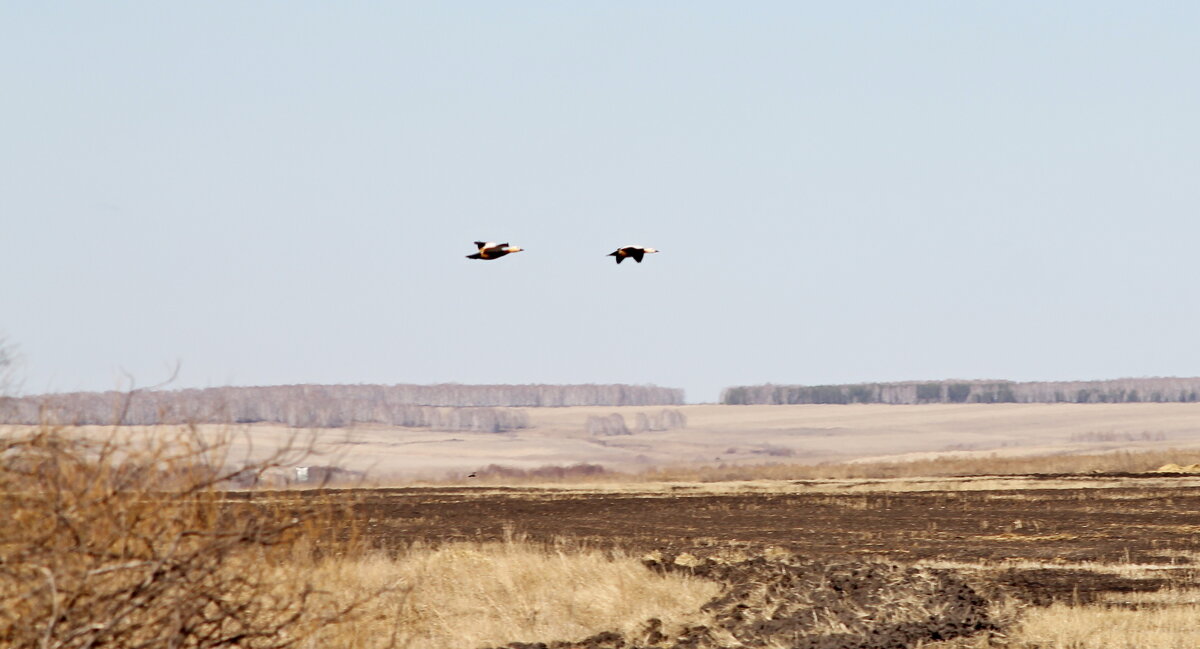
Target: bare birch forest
(1157,390)
(614,424)
(485,408)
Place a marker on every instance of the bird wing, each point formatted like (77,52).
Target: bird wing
(637,254)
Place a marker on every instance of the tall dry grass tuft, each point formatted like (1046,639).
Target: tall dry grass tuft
(128,541)
(482,594)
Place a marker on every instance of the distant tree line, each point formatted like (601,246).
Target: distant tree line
(1158,390)
(291,409)
(518,396)
(614,424)
(443,407)
(321,405)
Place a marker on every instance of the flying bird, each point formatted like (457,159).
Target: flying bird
(492,250)
(637,252)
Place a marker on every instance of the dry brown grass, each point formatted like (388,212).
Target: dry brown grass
(1168,620)
(472,595)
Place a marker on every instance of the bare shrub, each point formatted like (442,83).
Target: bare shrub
(128,541)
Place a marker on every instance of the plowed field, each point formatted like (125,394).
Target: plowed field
(1052,536)
(893,563)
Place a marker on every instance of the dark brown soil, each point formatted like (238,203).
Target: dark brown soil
(812,605)
(824,537)
(1124,524)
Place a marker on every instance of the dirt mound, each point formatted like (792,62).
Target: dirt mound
(783,601)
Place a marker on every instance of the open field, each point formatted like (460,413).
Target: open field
(758,526)
(142,544)
(1151,521)
(736,436)
(837,433)
(1123,548)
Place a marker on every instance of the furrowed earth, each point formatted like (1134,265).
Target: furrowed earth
(889,563)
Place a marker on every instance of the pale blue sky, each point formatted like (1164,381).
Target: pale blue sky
(860,191)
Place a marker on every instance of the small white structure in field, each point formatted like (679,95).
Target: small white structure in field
(301,474)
